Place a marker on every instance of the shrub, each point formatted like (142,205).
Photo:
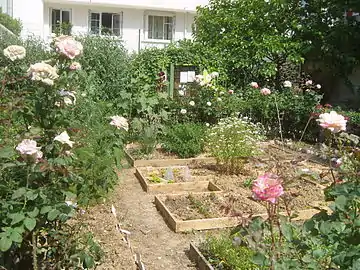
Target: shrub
(14,25)
(295,109)
(185,140)
(222,253)
(232,140)
(51,159)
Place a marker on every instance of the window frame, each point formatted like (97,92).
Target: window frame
(61,11)
(121,22)
(147,15)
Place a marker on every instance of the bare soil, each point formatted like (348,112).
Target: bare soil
(200,206)
(159,247)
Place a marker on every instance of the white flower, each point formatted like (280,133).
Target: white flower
(69,97)
(64,138)
(181,93)
(333,121)
(287,84)
(192,103)
(28,148)
(265,91)
(43,72)
(75,66)
(71,203)
(254,85)
(14,52)
(183,111)
(318,86)
(207,124)
(309,82)
(222,93)
(119,122)
(219,99)
(208,103)
(214,74)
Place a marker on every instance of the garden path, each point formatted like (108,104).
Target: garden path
(160,248)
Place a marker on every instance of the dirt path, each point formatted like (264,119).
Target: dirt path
(160,248)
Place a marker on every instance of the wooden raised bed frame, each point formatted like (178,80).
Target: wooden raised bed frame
(178,225)
(196,256)
(166,162)
(191,186)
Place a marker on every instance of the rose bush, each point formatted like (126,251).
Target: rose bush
(46,146)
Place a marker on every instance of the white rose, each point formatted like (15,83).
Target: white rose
(43,72)
(183,111)
(28,149)
(287,84)
(181,93)
(318,86)
(14,52)
(192,103)
(64,138)
(119,122)
(208,103)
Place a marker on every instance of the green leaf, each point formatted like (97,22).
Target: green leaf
(34,213)
(18,193)
(318,253)
(340,202)
(16,237)
(7,152)
(52,215)
(5,243)
(45,209)
(16,218)
(30,223)
(32,195)
(89,261)
(259,259)
(287,231)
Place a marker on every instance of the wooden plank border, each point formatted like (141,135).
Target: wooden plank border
(191,186)
(166,162)
(178,225)
(196,256)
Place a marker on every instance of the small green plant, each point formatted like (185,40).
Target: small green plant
(233,140)
(199,206)
(185,140)
(224,253)
(14,25)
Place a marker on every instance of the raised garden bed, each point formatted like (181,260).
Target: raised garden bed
(187,212)
(153,179)
(161,158)
(196,256)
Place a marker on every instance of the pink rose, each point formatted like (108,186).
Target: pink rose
(333,121)
(265,91)
(68,46)
(267,187)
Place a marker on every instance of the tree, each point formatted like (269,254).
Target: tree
(254,39)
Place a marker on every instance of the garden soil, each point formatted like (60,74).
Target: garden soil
(159,247)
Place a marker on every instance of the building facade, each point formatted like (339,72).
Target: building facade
(139,23)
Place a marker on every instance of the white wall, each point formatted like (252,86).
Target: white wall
(133,20)
(31,14)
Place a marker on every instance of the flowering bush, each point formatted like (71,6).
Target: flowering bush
(45,157)
(294,104)
(232,140)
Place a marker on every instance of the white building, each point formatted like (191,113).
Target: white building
(139,23)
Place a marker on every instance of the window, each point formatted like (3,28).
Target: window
(102,23)
(59,19)
(160,27)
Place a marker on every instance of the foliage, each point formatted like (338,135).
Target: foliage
(253,39)
(14,25)
(185,140)
(105,62)
(223,253)
(233,140)
(328,240)
(295,107)
(74,162)
(205,100)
